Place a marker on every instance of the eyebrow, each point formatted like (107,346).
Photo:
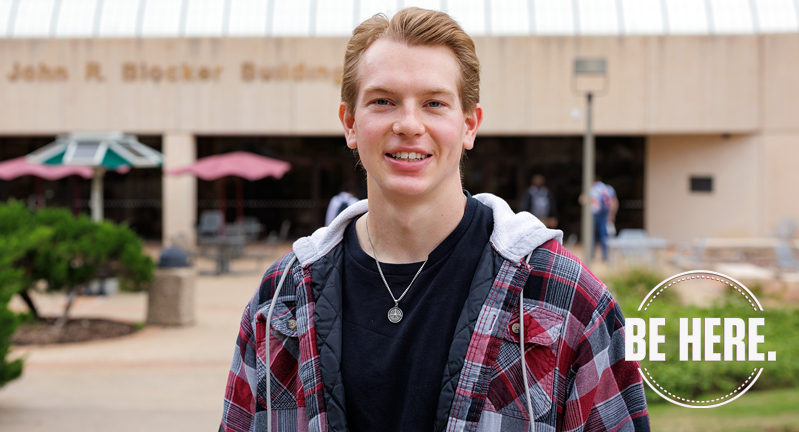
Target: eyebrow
(433,91)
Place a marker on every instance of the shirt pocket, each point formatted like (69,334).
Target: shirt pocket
(506,395)
(284,353)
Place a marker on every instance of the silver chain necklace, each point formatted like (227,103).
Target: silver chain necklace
(395,313)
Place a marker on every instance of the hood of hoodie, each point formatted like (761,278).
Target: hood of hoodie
(515,235)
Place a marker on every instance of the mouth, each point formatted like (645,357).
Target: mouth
(408,156)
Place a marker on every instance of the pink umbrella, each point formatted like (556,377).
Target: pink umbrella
(240,164)
(19,167)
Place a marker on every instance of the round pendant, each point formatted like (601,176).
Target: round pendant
(395,315)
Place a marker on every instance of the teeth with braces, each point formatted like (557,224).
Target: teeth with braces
(406,156)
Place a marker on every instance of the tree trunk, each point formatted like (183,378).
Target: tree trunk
(73,292)
(29,301)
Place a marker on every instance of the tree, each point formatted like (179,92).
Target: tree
(77,251)
(18,237)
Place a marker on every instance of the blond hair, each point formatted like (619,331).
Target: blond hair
(414,27)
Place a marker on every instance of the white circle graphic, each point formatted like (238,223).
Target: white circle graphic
(694,275)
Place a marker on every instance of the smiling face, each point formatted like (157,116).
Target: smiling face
(408,123)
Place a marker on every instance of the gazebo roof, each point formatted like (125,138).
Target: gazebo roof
(110,150)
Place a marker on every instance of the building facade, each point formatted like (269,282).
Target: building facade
(698,132)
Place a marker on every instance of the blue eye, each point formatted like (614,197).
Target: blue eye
(382,102)
(434,104)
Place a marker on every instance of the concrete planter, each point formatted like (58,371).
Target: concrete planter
(171,298)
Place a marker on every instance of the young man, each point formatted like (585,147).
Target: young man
(604,205)
(411,312)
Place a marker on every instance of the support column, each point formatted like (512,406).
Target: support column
(179,192)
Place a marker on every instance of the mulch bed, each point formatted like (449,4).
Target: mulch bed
(44,331)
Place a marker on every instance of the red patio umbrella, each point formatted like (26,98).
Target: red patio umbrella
(240,164)
(19,167)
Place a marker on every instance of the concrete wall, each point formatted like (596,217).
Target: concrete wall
(655,84)
(756,179)
(179,192)
(674,212)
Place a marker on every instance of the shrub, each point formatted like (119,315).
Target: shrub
(18,237)
(76,251)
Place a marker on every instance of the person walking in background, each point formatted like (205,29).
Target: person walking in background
(540,201)
(604,205)
(338,203)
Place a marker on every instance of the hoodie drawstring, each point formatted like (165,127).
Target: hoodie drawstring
(268,336)
(523,362)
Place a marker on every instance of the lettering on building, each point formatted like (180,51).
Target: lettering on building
(250,72)
(144,72)
(93,72)
(37,73)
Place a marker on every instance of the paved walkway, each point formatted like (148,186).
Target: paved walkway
(157,379)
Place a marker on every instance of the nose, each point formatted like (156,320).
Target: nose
(409,124)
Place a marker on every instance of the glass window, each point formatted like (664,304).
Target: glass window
(34,18)
(334,17)
(687,16)
(510,17)
(598,17)
(424,4)
(642,16)
(5,11)
(701,184)
(205,18)
(119,18)
(470,14)
(777,16)
(553,17)
(76,18)
(732,16)
(248,18)
(291,18)
(161,18)
(370,7)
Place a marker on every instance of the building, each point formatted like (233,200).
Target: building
(697,125)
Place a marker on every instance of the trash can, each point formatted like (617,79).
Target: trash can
(171,297)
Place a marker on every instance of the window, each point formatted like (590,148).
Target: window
(701,184)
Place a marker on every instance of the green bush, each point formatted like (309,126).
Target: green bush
(75,251)
(82,250)
(700,380)
(18,237)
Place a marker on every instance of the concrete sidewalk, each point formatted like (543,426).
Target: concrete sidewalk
(157,379)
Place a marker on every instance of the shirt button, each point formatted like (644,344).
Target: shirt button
(515,328)
(292,324)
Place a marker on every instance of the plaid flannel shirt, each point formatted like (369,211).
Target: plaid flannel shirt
(574,356)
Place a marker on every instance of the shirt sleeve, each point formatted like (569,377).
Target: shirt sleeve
(238,414)
(605,392)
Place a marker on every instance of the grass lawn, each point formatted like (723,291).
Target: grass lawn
(766,411)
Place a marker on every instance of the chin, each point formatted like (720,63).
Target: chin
(406,187)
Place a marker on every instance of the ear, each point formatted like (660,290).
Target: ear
(348,122)
(472,123)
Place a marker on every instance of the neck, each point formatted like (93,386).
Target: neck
(407,230)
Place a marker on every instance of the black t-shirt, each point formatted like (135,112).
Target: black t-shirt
(392,372)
